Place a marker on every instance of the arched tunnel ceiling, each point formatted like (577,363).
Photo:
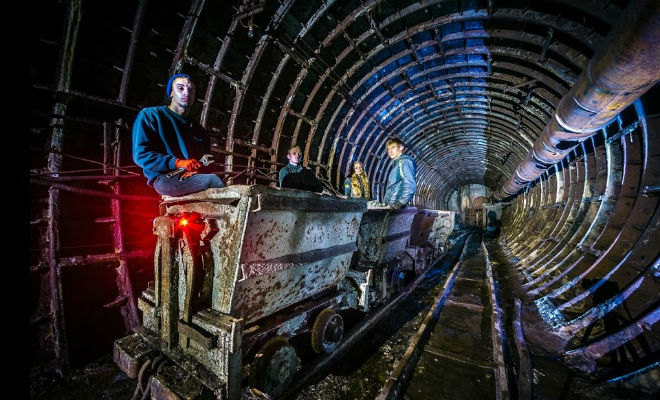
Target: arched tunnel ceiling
(467,85)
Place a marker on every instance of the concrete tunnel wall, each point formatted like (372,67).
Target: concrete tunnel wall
(467,85)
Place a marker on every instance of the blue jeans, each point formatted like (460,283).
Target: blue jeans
(196,183)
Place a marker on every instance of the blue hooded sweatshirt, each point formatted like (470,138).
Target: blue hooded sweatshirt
(160,136)
(401,184)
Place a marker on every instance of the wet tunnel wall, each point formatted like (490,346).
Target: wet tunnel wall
(585,241)
(468,85)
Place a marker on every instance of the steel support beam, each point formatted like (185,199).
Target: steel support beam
(624,68)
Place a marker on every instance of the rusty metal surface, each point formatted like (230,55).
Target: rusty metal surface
(547,216)
(383,234)
(568,257)
(255,261)
(292,323)
(273,291)
(442,227)
(624,265)
(583,358)
(421,227)
(173,383)
(247,253)
(598,236)
(308,251)
(565,230)
(593,273)
(130,352)
(351,337)
(625,226)
(590,227)
(273,240)
(623,69)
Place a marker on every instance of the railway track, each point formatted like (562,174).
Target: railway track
(371,333)
(458,351)
(453,349)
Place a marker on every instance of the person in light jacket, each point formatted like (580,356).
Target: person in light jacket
(401,184)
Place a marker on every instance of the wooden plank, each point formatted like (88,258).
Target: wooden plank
(525,368)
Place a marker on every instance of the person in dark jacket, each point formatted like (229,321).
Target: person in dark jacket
(401,185)
(357,185)
(295,176)
(165,139)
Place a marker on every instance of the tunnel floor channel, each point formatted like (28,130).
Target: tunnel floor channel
(460,359)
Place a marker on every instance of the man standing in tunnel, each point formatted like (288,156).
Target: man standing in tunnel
(296,176)
(165,139)
(401,185)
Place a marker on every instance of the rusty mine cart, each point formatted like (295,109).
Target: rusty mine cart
(240,271)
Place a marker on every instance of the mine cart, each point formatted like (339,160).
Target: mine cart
(419,248)
(421,227)
(238,272)
(442,227)
(382,258)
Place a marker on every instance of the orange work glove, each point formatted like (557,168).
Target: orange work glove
(190,164)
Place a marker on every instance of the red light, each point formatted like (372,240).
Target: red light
(189,221)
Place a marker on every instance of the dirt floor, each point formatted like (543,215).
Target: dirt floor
(101,380)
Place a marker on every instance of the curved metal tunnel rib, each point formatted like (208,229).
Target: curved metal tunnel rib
(481,92)
(622,70)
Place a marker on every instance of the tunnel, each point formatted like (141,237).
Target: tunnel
(535,122)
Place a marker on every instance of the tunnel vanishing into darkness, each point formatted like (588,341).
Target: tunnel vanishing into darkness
(547,110)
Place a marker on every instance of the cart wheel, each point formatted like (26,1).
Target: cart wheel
(274,366)
(327,331)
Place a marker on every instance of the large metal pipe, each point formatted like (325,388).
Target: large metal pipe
(624,68)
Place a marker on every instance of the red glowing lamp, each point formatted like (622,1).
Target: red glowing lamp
(188,221)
